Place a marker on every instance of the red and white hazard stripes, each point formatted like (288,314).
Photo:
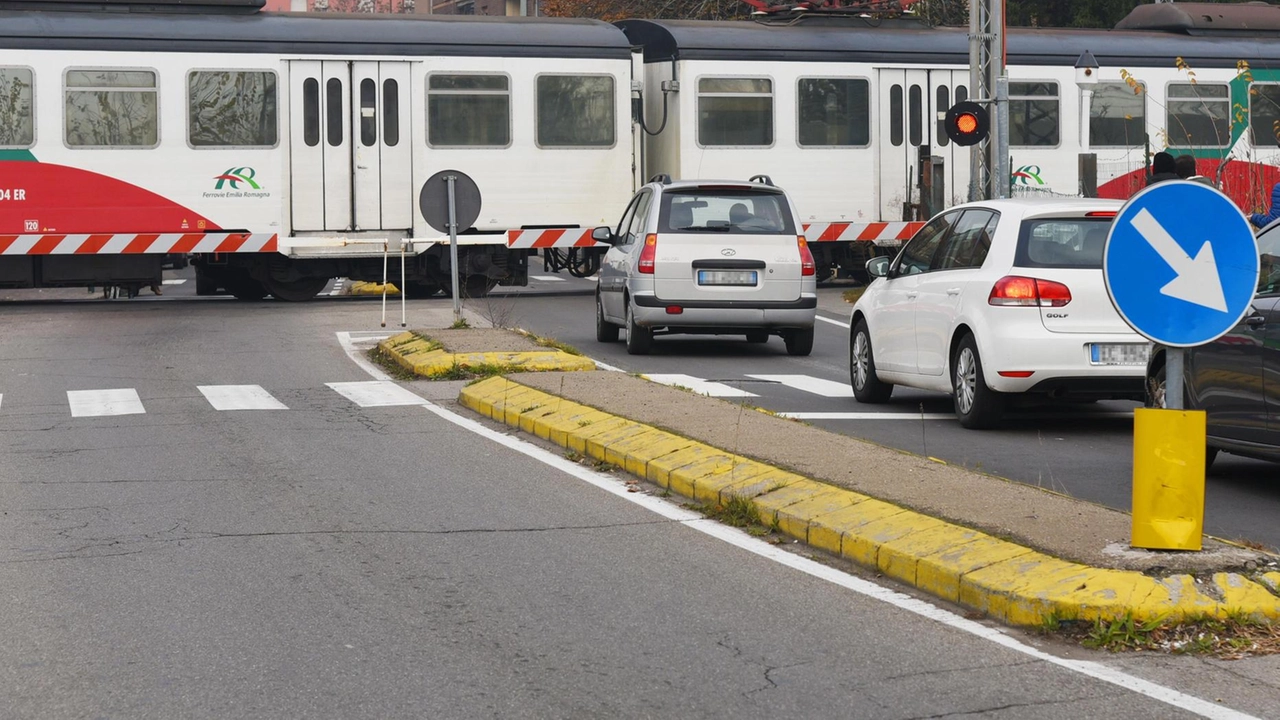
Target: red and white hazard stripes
(890,234)
(879,233)
(558,238)
(137,243)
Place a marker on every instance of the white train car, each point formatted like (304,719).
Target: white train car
(283,149)
(839,110)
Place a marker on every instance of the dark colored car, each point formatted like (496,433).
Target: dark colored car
(1236,378)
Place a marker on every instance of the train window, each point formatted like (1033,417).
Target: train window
(1033,113)
(834,112)
(962,93)
(943,104)
(111,108)
(390,113)
(575,111)
(735,111)
(1264,114)
(368,112)
(895,115)
(231,108)
(1199,115)
(17,111)
(915,116)
(468,110)
(335,116)
(1118,116)
(311,112)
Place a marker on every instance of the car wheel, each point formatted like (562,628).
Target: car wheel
(867,387)
(758,336)
(606,332)
(639,339)
(799,342)
(977,406)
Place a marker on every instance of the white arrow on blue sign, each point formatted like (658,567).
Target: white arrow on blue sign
(1181,263)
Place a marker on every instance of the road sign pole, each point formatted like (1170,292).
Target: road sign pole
(453,248)
(1173,378)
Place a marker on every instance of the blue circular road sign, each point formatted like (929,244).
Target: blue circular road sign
(1181,263)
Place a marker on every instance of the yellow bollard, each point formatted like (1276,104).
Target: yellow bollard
(1168,479)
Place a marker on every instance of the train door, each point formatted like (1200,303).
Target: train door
(909,103)
(349,147)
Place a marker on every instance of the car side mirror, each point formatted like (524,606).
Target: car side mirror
(878,267)
(603,234)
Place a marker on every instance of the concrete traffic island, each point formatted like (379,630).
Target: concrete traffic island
(450,352)
(1014,552)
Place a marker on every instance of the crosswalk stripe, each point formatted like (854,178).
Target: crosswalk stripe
(240,397)
(817,386)
(546,278)
(376,393)
(702,387)
(98,403)
(866,416)
(175,281)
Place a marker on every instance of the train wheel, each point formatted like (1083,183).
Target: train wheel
(299,290)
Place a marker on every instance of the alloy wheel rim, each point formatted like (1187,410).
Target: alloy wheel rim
(860,360)
(966,380)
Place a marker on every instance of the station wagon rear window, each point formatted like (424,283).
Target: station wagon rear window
(1062,243)
(728,210)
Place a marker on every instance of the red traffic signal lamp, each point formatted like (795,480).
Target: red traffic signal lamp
(967,123)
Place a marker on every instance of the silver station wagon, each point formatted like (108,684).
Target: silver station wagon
(707,257)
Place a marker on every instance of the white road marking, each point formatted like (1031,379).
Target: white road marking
(546,278)
(337,287)
(376,394)
(240,397)
(833,322)
(1,399)
(702,387)
(866,416)
(809,384)
(175,281)
(97,403)
(740,539)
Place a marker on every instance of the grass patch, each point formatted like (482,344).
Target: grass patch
(738,512)
(387,362)
(562,347)
(460,324)
(851,296)
(473,372)
(1231,638)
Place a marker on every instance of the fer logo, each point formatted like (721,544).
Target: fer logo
(233,176)
(1025,174)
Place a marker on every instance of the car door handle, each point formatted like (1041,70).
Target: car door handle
(1256,321)
(953,291)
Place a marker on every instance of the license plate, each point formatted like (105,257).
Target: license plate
(726,277)
(1118,354)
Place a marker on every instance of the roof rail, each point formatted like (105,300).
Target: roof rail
(228,7)
(663,178)
(762,179)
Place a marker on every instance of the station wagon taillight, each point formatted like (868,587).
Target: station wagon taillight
(806,258)
(647,254)
(1016,291)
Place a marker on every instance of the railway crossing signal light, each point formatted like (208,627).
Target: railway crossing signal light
(967,123)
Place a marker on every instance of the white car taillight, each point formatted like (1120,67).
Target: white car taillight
(1015,291)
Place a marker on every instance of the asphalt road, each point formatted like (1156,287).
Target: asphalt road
(341,555)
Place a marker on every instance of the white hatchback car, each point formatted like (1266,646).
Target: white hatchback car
(707,257)
(994,298)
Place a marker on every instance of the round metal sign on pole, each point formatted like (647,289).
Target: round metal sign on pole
(433,201)
(450,202)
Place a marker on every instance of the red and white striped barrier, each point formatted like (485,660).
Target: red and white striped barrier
(137,243)
(558,238)
(890,234)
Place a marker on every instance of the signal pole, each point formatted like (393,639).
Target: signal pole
(989,161)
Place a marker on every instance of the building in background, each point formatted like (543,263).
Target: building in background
(442,7)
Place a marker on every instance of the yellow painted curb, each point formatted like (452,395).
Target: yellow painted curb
(1005,580)
(360,287)
(429,359)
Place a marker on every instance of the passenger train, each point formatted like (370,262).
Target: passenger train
(281,150)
